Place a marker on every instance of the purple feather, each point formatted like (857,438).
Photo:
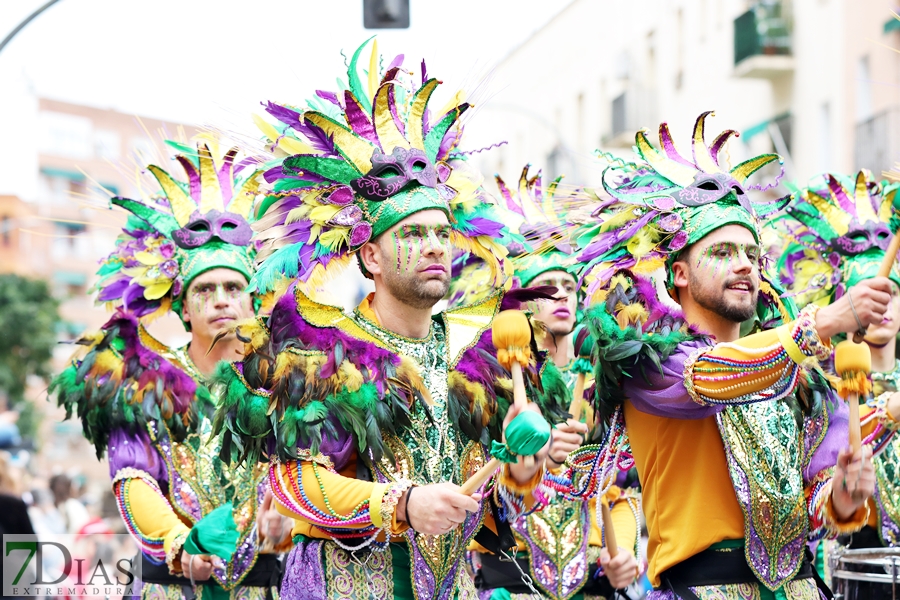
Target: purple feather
(226,181)
(329,96)
(609,240)
(424,72)
(357,118)
(193,176)
(398,60)
(113,291)
(482,226)
(317,138)
(289,117)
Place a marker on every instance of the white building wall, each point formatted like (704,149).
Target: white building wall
(554,94)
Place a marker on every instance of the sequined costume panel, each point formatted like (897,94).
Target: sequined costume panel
(557,540)
(200,482)
(887,469)
(764,450)
(155,591)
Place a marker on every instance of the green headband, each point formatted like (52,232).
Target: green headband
(529,266)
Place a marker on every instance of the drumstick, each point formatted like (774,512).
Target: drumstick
(853,362)
(511,335)
(474,483)
(609,533)
(883,271)
(577,397)
(584,343)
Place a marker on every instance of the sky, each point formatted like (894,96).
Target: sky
(212,62)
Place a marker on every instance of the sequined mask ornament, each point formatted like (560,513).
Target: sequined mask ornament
(834,235)
(228,227)
(401,169)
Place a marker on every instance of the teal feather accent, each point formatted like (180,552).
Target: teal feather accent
(283,262)
(356,86)
(437,133)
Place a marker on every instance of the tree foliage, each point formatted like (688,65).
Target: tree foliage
(28,319)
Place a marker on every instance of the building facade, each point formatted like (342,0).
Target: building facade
(817,81)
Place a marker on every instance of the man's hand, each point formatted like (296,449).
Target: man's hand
(871,298)
(273,527)
(565,437)
(437,508)
(853,482)
(521,472)
(202,566)
(620,570)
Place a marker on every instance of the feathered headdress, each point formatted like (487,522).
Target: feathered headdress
(838,231)
(189,228)
(540,246)
(359,161)
(666,202)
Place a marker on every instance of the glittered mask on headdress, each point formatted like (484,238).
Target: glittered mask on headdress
(837,231)
(359,162)
(194,227)
(228,227)
(401,170)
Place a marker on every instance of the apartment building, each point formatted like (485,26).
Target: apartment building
(817,81)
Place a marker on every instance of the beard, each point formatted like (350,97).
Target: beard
(409,289)
(714,300)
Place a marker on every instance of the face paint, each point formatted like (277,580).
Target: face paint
(199,296)
(721,254)
(412,241)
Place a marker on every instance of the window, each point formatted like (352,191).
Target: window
(5,230)
(107,144)
(69,241)
(58,186)
(61,134)
(863,90)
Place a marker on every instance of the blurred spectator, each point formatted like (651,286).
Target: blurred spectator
(9,431)
(13,511)
(68,514)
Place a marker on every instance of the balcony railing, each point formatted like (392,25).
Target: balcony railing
(877,144)
(761,31)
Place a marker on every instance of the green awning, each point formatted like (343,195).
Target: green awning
(62,173)
(892,24)
(759,128)
(69,277)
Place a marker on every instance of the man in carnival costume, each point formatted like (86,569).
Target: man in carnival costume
(838,231)
(730,435)
(560,545)
(187,250)
(372,420)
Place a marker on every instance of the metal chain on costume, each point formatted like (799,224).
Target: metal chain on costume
(525,577)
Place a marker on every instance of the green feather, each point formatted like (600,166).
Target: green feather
(356,86)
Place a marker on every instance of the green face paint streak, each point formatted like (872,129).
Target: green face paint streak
(721,254)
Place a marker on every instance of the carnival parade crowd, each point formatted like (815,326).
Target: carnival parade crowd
(673,349)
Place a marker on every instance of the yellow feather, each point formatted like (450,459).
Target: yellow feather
(631,314)
(373,69)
